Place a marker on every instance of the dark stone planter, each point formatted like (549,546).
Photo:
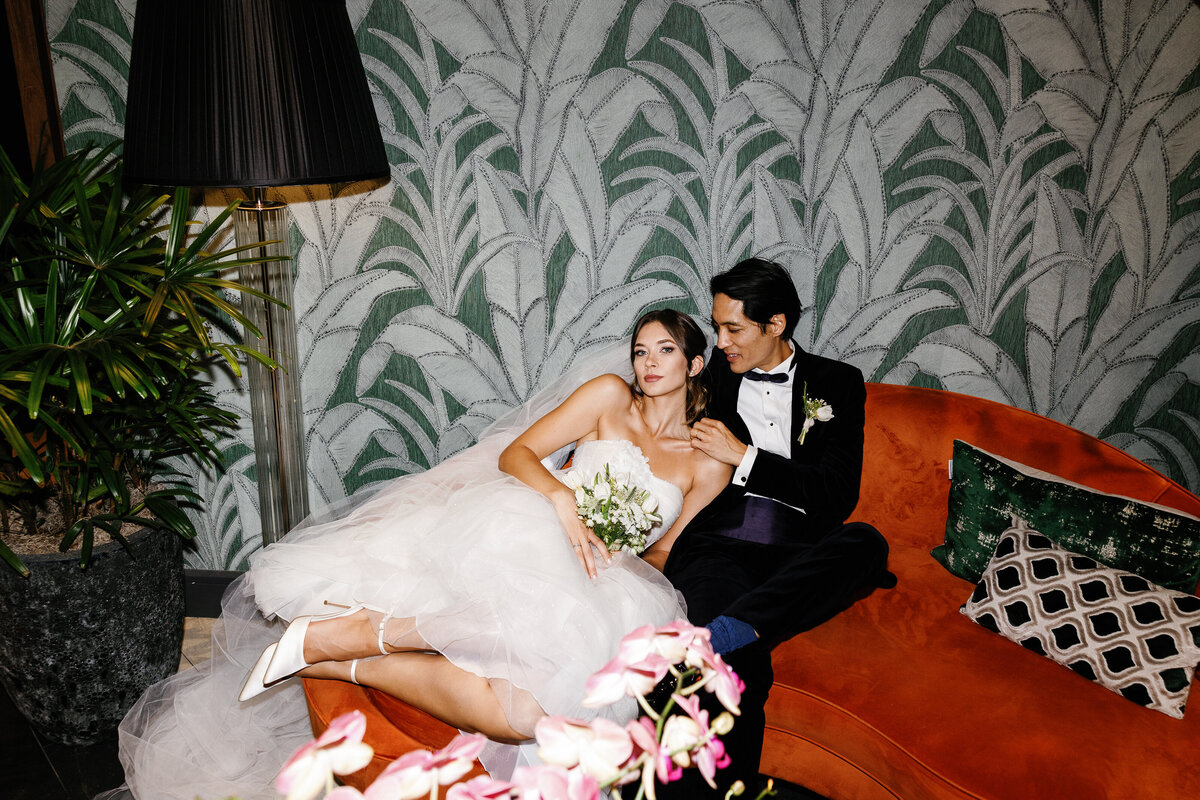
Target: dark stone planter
(78,647)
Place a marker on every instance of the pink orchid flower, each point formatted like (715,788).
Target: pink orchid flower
(344,793)
(408,777)
(673,641)
(700,651)
(644,657)
(681,734)
(621,678)
(481,787)
(642,643)
(415,774)
(552,782)
(709,752)
(656,763)
(456,759)
(716,677)
(599,747)
(339,750)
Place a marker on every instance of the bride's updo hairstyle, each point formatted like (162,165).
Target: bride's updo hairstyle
(687,334)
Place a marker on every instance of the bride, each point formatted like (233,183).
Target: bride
(472,591)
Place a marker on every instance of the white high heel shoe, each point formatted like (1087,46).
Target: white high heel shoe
(255,685)
(288,658)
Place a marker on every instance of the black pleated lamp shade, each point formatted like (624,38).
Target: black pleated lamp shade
(248,93)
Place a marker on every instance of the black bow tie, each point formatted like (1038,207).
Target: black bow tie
(769,377)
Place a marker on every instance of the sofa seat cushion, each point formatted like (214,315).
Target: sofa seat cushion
(393,727)
(916,696)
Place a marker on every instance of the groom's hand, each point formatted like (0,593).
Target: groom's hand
(710,436)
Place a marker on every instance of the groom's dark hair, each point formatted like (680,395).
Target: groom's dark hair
(765,290)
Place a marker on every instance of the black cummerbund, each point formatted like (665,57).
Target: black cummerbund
(758,519)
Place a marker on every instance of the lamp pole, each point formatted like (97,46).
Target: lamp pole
(255,93)
(276,406)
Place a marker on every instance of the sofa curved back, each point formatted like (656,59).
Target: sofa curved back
(909,439)
(900,696)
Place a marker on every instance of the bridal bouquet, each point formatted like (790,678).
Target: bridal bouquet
(619,512)
(582,759)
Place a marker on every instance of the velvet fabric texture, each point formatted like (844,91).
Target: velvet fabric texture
(985,492)
(901,696)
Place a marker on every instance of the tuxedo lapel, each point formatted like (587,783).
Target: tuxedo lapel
(737,425)
(726,388)
(802,373)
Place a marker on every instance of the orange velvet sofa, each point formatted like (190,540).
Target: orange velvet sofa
(901,696)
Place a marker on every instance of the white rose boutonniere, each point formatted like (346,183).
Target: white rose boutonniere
(815,410)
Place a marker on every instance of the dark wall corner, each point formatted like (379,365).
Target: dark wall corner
(203,589)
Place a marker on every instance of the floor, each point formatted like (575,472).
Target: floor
(33,769)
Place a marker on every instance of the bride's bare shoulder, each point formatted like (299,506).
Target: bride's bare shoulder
(609,387)
(707,468)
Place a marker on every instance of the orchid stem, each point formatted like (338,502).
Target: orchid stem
(646,707)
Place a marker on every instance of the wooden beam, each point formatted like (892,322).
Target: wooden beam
(35,78)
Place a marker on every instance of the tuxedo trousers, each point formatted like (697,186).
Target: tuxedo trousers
(780,590)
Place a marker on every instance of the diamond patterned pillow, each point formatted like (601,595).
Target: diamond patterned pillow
(1110,626)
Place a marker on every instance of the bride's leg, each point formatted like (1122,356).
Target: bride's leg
(359,635)
(430,682)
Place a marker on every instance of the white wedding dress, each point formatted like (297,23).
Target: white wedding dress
(489,576)
(480,562)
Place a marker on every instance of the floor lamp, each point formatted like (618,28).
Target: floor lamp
(254,94)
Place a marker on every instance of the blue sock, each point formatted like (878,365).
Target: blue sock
(728,634)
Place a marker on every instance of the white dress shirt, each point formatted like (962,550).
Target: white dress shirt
(766,409)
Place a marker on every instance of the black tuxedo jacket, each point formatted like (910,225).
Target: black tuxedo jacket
(822,475)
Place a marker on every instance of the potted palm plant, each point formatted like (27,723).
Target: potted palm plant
(107,304)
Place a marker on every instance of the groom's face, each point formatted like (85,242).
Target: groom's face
(745,344)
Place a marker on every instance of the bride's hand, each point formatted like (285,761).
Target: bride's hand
(581,537)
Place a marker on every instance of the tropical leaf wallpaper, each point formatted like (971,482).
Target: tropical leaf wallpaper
(997,197)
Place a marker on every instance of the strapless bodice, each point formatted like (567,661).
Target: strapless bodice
(626,457)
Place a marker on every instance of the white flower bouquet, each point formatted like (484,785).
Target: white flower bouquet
(619,512)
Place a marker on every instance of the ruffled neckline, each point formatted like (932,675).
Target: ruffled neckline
(637,451)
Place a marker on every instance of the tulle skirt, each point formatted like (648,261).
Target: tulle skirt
(188,736)
(475,558)
(488,579)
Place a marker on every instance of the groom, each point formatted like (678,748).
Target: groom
(771,557)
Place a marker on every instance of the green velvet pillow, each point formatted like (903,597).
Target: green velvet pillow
(1160,544)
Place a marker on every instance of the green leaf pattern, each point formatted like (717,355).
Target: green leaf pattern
(997,197)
